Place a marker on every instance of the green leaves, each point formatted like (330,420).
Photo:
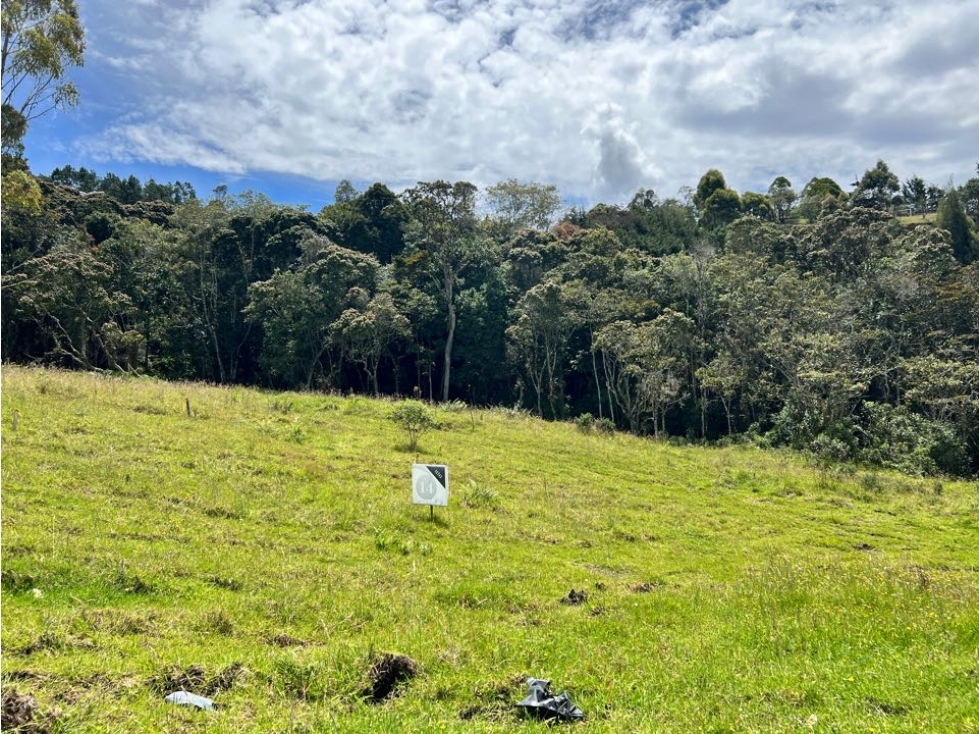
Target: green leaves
(415,419)
(42,41)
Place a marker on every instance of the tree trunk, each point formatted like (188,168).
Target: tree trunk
(598,385)
(449,338)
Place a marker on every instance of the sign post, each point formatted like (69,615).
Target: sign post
(430,486)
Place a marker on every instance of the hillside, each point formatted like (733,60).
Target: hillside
(263,549)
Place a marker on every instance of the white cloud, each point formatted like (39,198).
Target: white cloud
(598,97)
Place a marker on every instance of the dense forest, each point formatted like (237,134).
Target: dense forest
(844,323)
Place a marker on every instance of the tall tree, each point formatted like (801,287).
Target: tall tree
(67,294)
(817,195)
(513,205)
(545,317)
(370,222)
(79,178)
(644,365)
(367,334)
(42,41)
(296,310)
(443,229)
(970,198)
(952,217)
(915,193)
(783,197)
(721,208)
(876,188)
(711,181)
(757,205)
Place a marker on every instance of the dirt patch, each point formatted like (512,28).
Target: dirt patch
(224,680)
(386,673)
(53,641)
(284,640)
(886,708)
(863,547)
(647,586)
(23,675)
(20,711)
(15,581)
(224,583)
(574,598)
(194,679)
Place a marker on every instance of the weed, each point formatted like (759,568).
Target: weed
(477,495)
(605,425)
(389,542)
(296,434)
(122,579)
(303,681)
(513,413)
(871,482)
(283,406)
(453,406)
(218,623)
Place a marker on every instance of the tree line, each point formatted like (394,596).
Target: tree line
(825,320)
(817,319)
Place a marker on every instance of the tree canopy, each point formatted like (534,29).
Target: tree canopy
(42,41)
(840,329)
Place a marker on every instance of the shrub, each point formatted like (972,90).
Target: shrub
(605,425)
(896,438)
(585,422)
(415,419)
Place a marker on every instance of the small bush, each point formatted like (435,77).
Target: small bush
(585,422)
(605,425)
(415,419)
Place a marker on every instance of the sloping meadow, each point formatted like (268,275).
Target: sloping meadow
(261,549)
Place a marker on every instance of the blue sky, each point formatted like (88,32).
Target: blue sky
(599,97)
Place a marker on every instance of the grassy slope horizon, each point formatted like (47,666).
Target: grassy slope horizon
(270,537)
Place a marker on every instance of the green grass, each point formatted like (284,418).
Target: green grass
(908,219)
(264,549)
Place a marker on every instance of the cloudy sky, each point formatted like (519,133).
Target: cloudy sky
(599,97)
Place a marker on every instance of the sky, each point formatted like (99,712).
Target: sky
(599,97)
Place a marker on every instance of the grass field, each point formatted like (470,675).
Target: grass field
(908,219)
(264,550)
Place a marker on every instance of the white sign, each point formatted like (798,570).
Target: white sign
(430,484)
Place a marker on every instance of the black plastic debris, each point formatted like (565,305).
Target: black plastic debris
(185,698)
(543,705)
